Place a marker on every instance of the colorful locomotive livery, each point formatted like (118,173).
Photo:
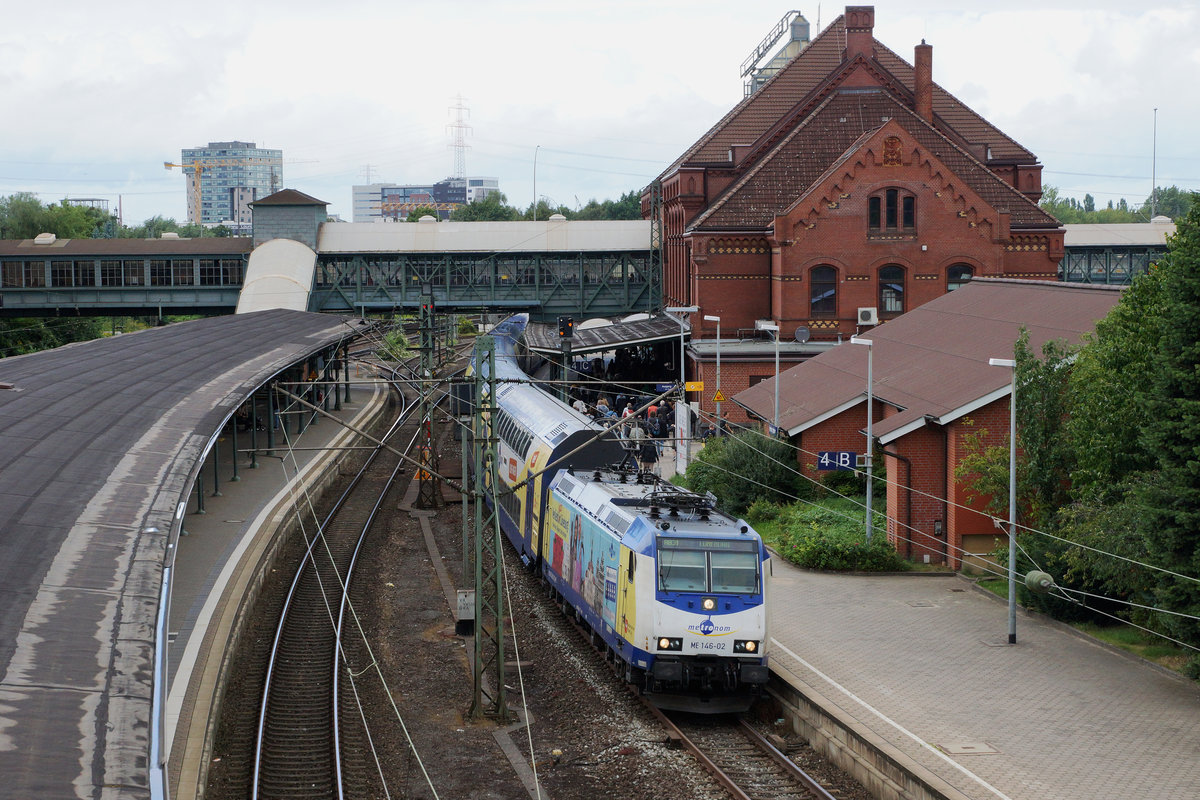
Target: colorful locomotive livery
(674,589)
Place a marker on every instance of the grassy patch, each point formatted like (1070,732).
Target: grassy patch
(1150,647)
(1133,640)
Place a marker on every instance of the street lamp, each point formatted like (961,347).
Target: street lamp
(683,420)
(535,152)
(720,420)
(680,320)
(771,326)
(1012,495)
(870,418)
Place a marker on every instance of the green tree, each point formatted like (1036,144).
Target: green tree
(544,210)
(422,211)
(19,336)
(629,206)
(743,468)
(24,216)
(1110,396)
(1171,202)
(493,207)
(1170,523)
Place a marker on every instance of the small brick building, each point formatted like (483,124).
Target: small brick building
(849,189)
(932,387)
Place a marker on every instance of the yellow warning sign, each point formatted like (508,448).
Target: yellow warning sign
(718,397)
(693,386)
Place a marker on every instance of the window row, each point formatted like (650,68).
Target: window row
(823,297)
(892,211)
(115,272)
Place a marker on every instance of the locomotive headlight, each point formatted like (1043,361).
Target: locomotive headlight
(670,643)
(709,604)
(745,646)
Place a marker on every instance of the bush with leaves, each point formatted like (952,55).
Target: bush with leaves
(395,342)
(848,483)
(742,468)
(762,510)
(830,536)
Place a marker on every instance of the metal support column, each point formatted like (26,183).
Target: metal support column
(489,555)
(254,430)
(235,477)
(427,495)
(216,468)
(272,418)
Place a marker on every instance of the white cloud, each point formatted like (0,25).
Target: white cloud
(613,93)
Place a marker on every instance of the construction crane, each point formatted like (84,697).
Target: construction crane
(196,170)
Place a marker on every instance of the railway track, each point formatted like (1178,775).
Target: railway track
(299,750)
(741,759)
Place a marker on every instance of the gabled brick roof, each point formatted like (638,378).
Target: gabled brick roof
(933,361)
(798,84)
(833,132)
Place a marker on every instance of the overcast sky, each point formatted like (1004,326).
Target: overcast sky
(96,97)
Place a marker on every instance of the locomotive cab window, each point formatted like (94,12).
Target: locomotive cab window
(734,572)
(723,566)
(682,571)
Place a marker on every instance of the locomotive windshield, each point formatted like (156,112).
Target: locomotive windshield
(707,565)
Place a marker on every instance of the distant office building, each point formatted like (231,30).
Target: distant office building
(231,175)
(382,202)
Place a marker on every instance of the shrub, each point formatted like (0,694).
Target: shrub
(830,536)
(743,468)
(847,483)
(762,509)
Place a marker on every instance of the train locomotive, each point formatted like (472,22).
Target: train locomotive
(671,588)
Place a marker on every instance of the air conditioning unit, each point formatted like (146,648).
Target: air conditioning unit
(868,316)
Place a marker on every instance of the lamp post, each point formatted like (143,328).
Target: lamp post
(535,152)
(771,326)
(720,419)
(681,310)
(1012,495)
(870,457)
(683,422)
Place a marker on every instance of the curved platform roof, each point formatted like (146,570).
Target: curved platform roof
(278,275)
(99,445)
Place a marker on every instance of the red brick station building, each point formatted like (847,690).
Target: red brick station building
(846,191)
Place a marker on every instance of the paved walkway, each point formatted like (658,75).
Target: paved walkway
(923,663)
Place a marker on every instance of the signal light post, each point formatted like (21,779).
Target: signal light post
(566,331)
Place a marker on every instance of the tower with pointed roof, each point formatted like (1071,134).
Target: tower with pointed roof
(845,191)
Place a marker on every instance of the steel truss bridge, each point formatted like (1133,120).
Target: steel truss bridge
(82,281)
(546,284)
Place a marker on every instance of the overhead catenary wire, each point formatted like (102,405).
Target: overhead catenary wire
(1025,528)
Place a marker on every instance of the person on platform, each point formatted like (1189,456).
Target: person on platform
(649,455)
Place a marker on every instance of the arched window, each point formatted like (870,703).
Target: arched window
(891,290)
(824,292)
(892,212)
(958,275)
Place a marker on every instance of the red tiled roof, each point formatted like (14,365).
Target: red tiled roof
(289,197)
(805,74)
(833,132)
(933,360)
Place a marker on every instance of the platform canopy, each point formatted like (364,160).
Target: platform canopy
(596,338)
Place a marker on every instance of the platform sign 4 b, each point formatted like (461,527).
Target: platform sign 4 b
(836,459)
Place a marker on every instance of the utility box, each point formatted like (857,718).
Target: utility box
(465,621)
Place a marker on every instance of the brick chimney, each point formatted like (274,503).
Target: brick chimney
(923,81)
(860,31)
